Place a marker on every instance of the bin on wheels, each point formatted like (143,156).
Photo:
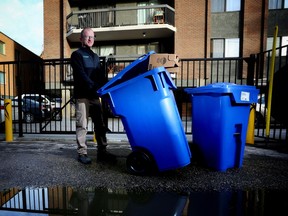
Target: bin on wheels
(220,114)
(145,103)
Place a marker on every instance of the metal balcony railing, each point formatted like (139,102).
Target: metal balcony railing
(124,16)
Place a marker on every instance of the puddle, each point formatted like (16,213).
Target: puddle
(108,202)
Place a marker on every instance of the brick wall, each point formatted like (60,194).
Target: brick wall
(252,27)
(52,29)
(190,25)
(9,48)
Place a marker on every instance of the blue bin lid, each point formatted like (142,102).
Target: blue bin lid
(239,93)
(137,67)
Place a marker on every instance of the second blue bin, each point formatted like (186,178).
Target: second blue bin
(220,114)
(150,117)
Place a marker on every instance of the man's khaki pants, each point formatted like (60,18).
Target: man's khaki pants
(84,109)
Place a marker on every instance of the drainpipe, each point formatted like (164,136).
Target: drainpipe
(206,29)
(61,30)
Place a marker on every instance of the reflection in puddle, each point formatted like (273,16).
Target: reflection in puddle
(71,201)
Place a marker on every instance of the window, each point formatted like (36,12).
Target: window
(126,50)
(225,5)
(233,5)
(141,14)
(232,47)
(218,48)
(225,47)
(2,48)
(278,4)
(2,77)
(284,42)
(280,41)
(106,50)
(145,15)
(270,44)
(141,49)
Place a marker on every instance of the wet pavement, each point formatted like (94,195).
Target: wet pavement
(48,161)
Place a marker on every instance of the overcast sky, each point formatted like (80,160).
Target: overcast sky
(22,21)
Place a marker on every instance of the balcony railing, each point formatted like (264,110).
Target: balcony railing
(124,16)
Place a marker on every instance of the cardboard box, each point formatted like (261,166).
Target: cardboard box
(169,61)
(173,69)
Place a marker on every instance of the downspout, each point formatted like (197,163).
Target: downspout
(262,26)
(263,19)
(241,27)
(205,38)
(61,29)
(241,36)
(206,29)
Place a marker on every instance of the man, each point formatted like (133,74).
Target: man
(87,79)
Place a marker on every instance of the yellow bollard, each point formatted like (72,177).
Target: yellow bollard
(8,120)
(271,77)
(251,125)
(94,137)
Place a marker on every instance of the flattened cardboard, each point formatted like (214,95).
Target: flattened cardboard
(166,60)
(173,69)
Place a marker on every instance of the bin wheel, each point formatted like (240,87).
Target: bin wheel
(140,163)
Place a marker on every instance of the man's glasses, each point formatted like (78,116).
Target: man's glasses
(89,37)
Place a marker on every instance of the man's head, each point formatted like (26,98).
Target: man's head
(87,37)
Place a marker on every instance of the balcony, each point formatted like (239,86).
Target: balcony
(125,23)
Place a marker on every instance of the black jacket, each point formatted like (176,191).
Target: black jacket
(87,74)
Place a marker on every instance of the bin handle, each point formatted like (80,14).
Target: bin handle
(163,78)
(153,82)
(168,80)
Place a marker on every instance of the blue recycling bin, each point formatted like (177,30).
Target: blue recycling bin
(220,114)
(146,105)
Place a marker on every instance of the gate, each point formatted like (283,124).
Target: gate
(54,79)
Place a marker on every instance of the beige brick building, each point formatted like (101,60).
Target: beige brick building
(12,51)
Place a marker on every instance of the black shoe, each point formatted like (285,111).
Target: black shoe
(104,156)
(84,159)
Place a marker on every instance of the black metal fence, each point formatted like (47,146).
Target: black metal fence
(53,78)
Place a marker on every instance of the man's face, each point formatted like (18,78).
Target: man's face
(88,38)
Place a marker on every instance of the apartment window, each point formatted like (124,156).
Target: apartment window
(145,15)
(225,47)
(278,4)
(2,77)
(284,42)
(122,50)
(2,48)
(225,5)
(218,48)
(106,50)
(280,41)
(141,49)
(232,47)
(142,14)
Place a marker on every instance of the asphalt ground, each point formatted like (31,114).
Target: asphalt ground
(47,161)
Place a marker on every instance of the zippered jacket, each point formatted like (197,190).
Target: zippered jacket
(87,74)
